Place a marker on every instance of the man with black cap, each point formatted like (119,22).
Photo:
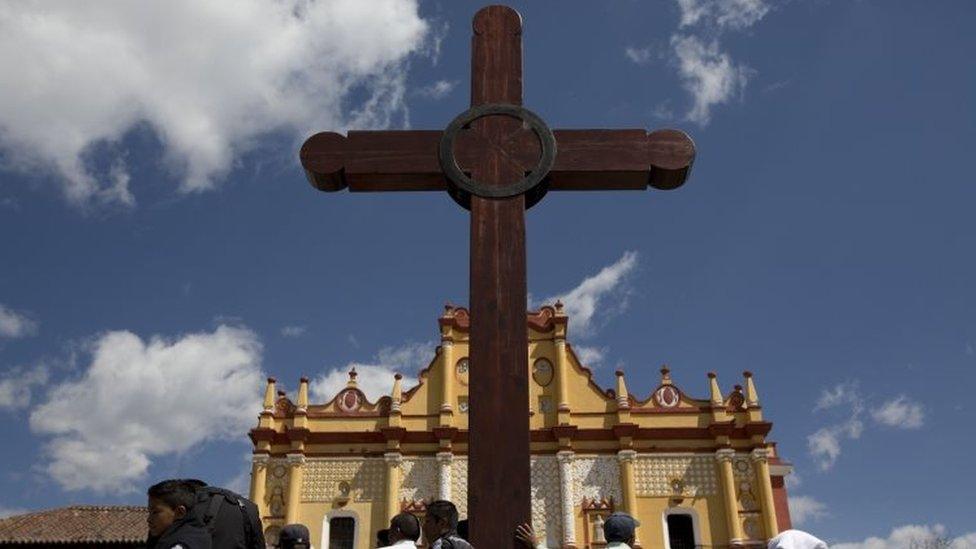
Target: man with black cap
(620,530)
(294,536)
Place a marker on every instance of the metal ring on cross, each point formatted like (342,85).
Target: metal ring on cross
(456,176)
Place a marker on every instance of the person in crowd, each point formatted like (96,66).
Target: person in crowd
(382,537)
(294,536)
(620,530)
(171,525)
(404,532)
(440,526)
(463,532)
(796,539)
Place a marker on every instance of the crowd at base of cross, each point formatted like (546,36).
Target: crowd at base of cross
(189,514)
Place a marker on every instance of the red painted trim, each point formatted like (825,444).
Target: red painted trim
(781,504)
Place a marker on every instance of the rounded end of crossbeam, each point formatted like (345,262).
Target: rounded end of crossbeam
(671,154)
(497,18)
(323,157)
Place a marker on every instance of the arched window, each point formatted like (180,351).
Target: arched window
(681,529)
(342,533)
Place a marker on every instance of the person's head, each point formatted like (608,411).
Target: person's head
(620,527)
(169,501)
(441,519)
(294,536)
(404,526)
(383,537)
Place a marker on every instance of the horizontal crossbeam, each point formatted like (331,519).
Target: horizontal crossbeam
(373,161)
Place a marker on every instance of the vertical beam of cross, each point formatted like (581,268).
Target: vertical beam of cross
(499,491)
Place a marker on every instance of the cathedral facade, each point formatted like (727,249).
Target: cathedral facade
(695,472)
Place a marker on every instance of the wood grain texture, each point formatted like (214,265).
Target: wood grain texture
(499,483)
(588,160)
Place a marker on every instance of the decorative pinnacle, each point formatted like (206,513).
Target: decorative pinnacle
(712,375)
(303,379)
(397,376)
(747,374)
(282,393)
(665,374)
(272,380)
(559,306)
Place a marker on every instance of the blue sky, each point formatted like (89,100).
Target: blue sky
(155,219)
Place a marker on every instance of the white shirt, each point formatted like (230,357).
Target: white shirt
(402,544)
(796,539)
(617,545)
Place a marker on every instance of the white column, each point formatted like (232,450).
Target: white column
(566,496)
(444,460)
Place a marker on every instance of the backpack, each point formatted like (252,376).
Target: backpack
(232,520)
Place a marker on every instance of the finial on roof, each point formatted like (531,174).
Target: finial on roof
(623,396)
(665,374)
(559,306)
(397,395)
(302,403)
(269,395)
(352,377)
(752,396)
(715,391)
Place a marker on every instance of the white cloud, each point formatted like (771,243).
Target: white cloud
(375,378)
(793,480)
(708,74)
(14,324)
(16,386)
(439,89)
(724,14)
(241,482)
(805,509)
(138,400)
(900,412)
(293,331)
(11,511)
(913,536)
(207,78)
(590,356)
(842,393)
(590,299)
(825,444)
(640,56)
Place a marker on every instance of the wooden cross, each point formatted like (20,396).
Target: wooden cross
(497,159)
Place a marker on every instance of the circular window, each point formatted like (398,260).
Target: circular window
(667,396)
(542,371)
(462,371)
(349,400)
